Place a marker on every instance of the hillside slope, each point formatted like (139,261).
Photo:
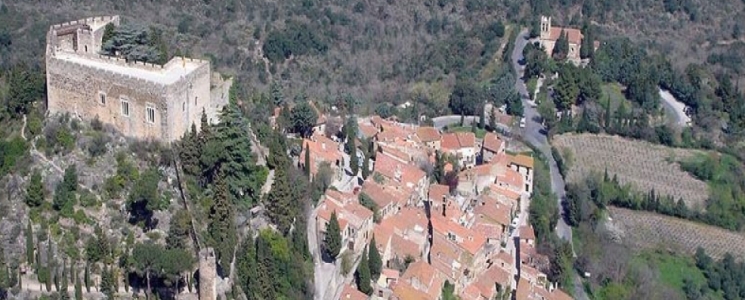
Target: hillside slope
(377,50)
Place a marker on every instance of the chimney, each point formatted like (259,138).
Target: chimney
(397,173)
(444,209)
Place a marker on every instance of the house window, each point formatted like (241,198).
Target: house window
(102,98)
(125,106)
(150,114)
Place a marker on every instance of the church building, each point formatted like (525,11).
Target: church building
(550,34)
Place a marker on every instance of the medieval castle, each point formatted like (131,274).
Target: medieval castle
(141,100)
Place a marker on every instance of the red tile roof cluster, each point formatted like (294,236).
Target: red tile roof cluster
(438,192)
(487,282)
(458,140)
(397,171)
(573,35)
(385,195)
(464,237)
(511,179)
(425,278)
(322,149)
(428,134)
(351,293)
(492,212)
(493,143)
(347,210)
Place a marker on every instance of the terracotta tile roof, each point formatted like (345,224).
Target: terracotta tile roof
(368,130)
(391,273)
(351,293)
(377,193)
(383,233)
(505,257)
(458,140)
(504,193)
(446,257)
(403,247)
(522,160)
(348,213)
(466,238)
(493,143)
(471,292)
(488,230)
(437,192)
(523,289)
(493,212)
(485,170)
(501,159)
(494,275)
(389,167)
(425,278)
(399,155)
(511,178)
(404,291)
(322,149)
(526,232)
(428,134)
(573,35)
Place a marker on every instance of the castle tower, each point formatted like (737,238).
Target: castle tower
(207,274)
(545,27)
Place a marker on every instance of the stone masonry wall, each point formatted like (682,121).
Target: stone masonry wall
(78,89)
(187,98)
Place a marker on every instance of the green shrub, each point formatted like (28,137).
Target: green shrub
(80,217)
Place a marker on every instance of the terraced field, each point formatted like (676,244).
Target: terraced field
(644,230)
(643,165)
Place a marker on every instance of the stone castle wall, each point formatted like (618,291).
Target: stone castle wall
(90,92)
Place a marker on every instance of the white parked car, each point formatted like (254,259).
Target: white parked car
(522,123)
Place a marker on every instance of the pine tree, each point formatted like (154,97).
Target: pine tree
(307,161)
(35,191)
(280,203)
(374,259)
(221,225)
(64,295)
(332,239)
(561,48)
(362,275)
(493,120)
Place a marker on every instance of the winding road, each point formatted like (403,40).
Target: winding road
(533,134)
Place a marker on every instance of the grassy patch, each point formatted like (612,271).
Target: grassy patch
(614,93)
(480,133)
(673,269)
(532,82)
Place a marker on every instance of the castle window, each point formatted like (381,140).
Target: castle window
(102,98)
(183,106)
(150,114)
(125,106)
(195,100)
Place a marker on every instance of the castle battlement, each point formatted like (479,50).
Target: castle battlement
(140,99)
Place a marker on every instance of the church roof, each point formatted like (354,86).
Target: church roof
(574,35)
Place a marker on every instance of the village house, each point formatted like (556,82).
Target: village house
(402,173)
(459,251)
(355,221)
(523,164)
(430,136)
(424,278)
(351,293)
(493,282)
(322,150)
(492,145)
(402,236)
(389,199)
(462,146)
(550,34)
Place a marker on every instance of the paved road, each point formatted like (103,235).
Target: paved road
(533,134)
(676,107)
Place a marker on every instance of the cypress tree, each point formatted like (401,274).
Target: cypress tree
(375,261)
(221,227)
(265,282)
(106,285)
(439,172)
(30,245)
(332,239)
(366,166)
(362,275)
(353,159)
(64,295)
(87,278)
(482,118)
(4,274)
(35,191)
(78,289)
(280,203)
